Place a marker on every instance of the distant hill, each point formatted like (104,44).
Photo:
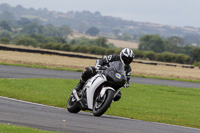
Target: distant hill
(117,43)
(112,27)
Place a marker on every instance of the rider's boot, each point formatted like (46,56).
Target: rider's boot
(79,87)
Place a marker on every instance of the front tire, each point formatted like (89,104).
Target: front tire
(72,106)
(102,104)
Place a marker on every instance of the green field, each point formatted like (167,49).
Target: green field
(16,129)
(172,105)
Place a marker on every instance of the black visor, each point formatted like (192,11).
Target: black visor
(127,60)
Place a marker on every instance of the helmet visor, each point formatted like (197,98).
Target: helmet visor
(127,60)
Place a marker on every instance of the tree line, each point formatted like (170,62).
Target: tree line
(81,21)
(171,48)
(151,47)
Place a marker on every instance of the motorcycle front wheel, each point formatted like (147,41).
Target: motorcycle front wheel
(103,103)
(72,106)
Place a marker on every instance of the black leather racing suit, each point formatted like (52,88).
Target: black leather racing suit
(91,71)
(107,59)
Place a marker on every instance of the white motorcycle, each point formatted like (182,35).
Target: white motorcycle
(99,91)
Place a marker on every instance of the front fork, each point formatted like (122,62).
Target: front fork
(117,92)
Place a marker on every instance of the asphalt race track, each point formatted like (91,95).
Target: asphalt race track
(25,72)
(44,117)
(57,119)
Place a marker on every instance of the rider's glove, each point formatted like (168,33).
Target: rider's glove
(126,85)
(103,67)
(97,67)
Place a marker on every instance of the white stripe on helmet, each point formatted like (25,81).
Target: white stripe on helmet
(129,52)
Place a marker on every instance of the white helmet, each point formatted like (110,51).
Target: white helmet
(126,56)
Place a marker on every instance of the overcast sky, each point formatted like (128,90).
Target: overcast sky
(167,12)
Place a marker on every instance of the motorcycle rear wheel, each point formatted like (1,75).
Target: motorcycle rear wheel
(72,106)
(102,104)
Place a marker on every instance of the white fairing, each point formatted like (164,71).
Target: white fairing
(103,91)
(91,86)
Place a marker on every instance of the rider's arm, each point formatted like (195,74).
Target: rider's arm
(128,76)
(105,60)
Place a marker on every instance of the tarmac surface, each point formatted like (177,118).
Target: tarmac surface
(50,118)
(44,117)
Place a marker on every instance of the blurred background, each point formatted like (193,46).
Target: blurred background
(157,30)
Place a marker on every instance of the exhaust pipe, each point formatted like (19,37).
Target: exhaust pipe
(76,95)
(81,102)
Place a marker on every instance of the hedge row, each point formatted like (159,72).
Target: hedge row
(164,57)
(81,48)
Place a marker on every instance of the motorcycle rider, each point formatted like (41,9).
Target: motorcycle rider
(126,57)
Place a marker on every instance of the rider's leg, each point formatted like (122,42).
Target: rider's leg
(80,85)
(87,73)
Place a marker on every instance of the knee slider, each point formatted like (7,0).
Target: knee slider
(87,73)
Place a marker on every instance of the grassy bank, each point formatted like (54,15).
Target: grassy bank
(16,129)
(172,105)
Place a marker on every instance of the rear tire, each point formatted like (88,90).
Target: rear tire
(72,106)
(100,106)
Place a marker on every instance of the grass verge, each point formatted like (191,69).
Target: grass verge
(172,105)
(43,67)
(79,70)
(17,129)
(167,78)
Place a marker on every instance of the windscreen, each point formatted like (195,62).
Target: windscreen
(117,66)
(116,73)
